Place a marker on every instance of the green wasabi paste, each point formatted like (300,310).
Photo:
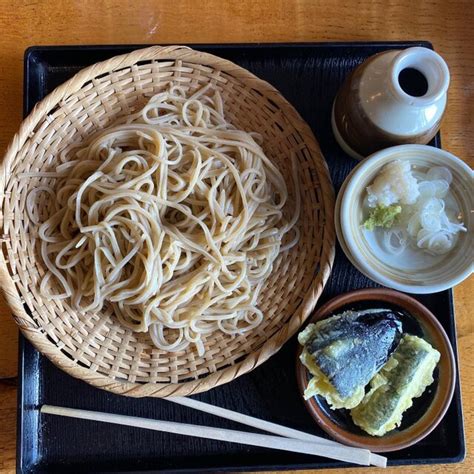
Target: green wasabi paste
(382,216)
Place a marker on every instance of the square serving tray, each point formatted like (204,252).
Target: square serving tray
(308,75)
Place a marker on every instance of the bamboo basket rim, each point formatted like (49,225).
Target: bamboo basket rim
(29,326)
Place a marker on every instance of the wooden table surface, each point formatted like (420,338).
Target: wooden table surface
(448,24)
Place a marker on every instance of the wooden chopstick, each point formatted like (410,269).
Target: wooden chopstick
(340,453)
(375,459)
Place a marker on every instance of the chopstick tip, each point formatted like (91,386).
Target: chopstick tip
(377,460)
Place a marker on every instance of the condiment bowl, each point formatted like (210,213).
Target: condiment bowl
(427,410)
(415,271)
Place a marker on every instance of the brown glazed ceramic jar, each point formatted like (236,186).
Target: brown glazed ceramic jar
(393,98)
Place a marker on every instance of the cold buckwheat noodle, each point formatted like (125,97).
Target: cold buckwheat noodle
(174,217)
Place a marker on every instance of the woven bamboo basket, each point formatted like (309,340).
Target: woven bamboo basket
(95,347)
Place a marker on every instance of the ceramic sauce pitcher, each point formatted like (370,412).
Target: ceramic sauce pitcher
(394,97)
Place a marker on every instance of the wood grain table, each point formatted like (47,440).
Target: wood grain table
(448,24)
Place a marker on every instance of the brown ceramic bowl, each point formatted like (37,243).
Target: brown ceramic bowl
(427,411)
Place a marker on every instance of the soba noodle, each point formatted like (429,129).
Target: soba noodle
(174,217)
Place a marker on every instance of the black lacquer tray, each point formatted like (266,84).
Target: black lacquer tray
(308,75)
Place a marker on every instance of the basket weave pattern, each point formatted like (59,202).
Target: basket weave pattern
(95,347)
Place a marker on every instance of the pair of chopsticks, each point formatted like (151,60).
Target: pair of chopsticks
(288,439)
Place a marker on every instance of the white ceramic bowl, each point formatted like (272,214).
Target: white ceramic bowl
(414,271)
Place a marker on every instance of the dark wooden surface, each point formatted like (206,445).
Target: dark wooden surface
(309,78)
